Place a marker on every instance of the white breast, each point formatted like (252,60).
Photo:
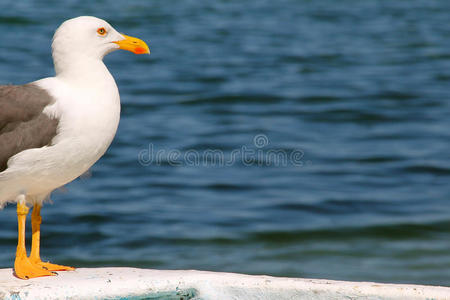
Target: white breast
(88,114)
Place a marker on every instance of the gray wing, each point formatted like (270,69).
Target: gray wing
(23,125)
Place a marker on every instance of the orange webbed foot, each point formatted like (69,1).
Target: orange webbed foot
(25,269)
(54,267)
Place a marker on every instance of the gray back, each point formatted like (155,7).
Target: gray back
(22,123)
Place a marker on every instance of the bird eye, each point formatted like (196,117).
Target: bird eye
(101,31)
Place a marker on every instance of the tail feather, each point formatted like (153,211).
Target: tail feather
(8,191)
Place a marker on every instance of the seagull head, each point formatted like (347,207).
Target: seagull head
(91,38)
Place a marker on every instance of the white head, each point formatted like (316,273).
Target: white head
(88,38)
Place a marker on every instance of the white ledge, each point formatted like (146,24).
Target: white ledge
(131,283)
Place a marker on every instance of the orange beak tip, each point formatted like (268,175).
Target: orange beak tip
(141,50)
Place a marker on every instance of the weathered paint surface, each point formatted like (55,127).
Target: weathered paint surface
(131,283)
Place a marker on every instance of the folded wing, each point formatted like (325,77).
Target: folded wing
(23,124)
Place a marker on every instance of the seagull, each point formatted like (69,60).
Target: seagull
(54,129)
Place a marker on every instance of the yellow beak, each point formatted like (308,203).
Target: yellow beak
(135,45)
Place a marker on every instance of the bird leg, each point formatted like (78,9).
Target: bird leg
(35,258)
(23,267)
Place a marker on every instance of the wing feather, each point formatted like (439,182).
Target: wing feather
(23,125)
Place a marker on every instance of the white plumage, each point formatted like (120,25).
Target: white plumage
(87,104)
(54,129)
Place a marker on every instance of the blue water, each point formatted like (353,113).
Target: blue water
(352,95)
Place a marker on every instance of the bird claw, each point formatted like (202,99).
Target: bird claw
(54,267)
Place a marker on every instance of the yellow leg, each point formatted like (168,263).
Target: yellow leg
(35,258)
(23,267)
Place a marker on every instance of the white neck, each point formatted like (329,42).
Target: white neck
(80,68)
(90,82)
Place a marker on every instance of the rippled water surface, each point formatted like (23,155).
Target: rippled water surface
(332,119)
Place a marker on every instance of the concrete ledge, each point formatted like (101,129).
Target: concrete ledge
(130,283)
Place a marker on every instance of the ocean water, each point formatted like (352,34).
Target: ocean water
(287,138)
